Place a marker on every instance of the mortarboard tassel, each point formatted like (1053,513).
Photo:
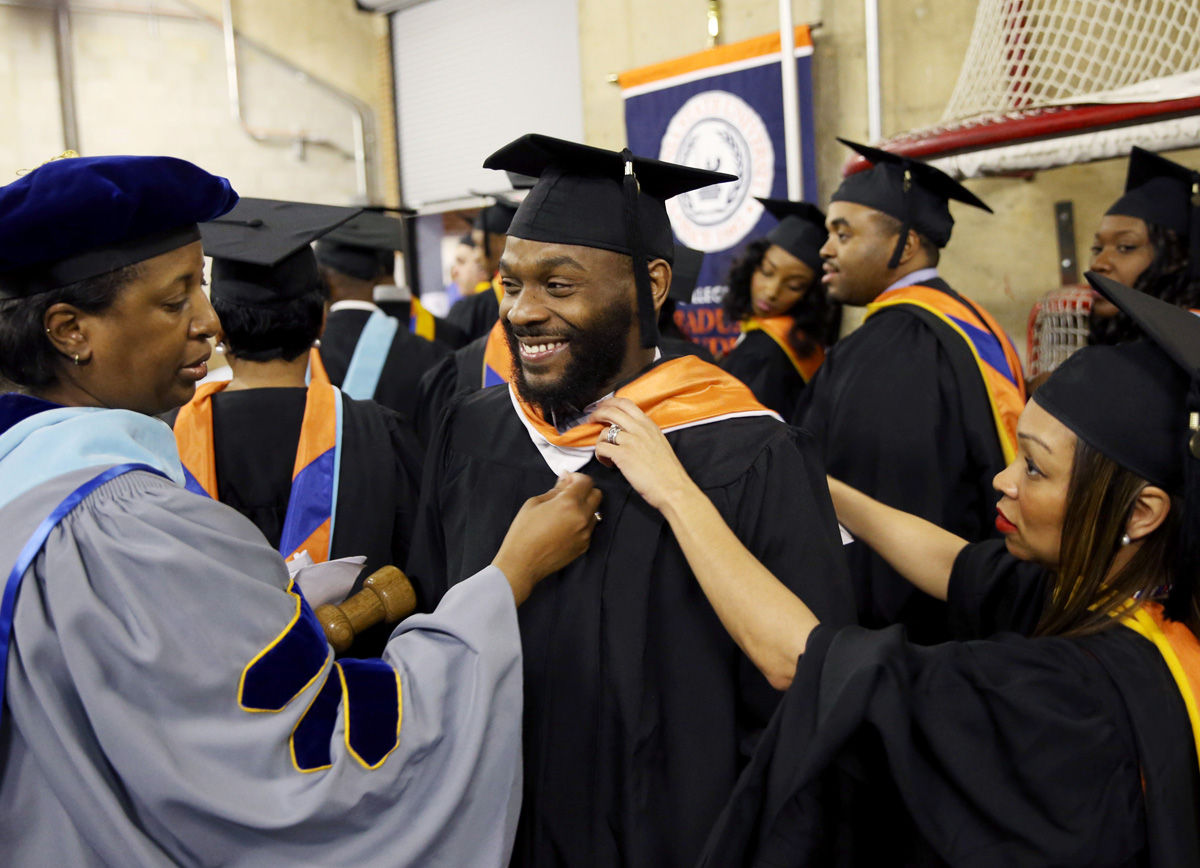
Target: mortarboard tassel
(906,227)
(647,318)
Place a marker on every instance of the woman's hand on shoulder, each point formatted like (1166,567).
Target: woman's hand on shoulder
(640,451)
(549,531)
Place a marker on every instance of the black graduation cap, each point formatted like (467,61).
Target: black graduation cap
(913,192)
(594,197)
(364,246)
(1166,194)
(1139,404)
(261,251)
(801,230)
(685,272)
(495,218)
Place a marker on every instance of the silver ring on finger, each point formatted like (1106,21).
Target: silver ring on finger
(611,436)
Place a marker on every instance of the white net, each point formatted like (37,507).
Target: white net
(1026,54)
(1058,326)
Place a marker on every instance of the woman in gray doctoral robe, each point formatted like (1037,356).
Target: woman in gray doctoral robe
(169,697)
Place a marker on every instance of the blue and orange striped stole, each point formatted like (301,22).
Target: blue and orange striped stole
(308,524)
(497,358)
(779,329)
(421,321)
(994,354)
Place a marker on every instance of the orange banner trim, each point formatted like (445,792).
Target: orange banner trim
(712,57)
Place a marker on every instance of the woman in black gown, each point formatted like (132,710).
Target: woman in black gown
(787,318)
(1061,729)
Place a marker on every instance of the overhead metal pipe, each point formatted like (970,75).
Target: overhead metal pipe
(363,179)
(791,102)
(362,116)
(65,66)
(874,99)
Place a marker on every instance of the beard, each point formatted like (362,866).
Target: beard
(596,355)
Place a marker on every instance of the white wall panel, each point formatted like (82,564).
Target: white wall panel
(472,75)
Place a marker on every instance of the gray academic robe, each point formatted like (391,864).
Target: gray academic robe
(123,742)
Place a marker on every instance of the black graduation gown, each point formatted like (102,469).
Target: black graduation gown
(456,374)
(762,365)
(639,708)
(443,332)
(681,346)
(255,434)
(475,314)
(408,358)
(901,415)
(1000,751)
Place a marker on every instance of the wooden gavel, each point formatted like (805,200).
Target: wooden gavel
(386,596)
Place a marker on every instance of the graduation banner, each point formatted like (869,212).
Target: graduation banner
(721,109)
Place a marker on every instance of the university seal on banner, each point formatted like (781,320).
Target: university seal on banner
(720,131)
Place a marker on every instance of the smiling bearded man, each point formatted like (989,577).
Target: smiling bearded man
(596,351)
(639,709)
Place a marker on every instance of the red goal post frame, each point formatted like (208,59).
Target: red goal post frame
(950,147)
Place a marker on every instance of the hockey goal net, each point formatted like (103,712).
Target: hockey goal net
(1058,326)
(1053,82)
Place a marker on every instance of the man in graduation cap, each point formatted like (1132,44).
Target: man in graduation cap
(487,361)
(364,249)
(467,269)
(918,407)
(367,353)
(476,313)
(258,441)
(639,707)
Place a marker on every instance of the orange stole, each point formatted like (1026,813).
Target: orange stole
(678,393)
(309,521)
(1180,651)
(779,329)
(994,353)
(497,358)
